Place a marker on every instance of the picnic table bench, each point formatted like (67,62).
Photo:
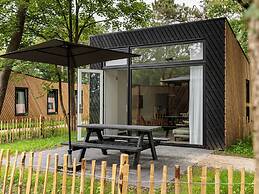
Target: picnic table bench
(126,144)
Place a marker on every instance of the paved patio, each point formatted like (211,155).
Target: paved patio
(169,156)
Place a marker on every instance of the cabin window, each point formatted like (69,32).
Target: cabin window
(81,109)
(118,62)
(168,53)
(52,101)
(248,100)
(21,101)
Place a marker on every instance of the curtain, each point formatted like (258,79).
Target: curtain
(196,105)
(20,106)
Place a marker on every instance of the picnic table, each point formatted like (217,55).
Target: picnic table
(126,144)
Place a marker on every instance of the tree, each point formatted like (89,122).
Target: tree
(167,12)
(47,19)
(15,32)
(253,39)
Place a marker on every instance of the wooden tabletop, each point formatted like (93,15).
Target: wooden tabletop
(120,127)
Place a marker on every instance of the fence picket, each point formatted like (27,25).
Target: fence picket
(21,171)
(124,159)
(46,174)
(64,177)
(217,180)
(189,179)
(103,177)
(55,175)
(139,182)
(37,173)
(13,173)
(30,170)
(1,159)
(242,185)
(230,179)
(177,179)
(151,178)
(92,177)
(164,181)
(82,180)
(6,171)
(114,173)
(203,180)
(73,177)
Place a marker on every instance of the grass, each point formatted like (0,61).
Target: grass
(36,144)
(243,148)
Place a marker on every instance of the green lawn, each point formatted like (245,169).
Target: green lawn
(132,190)
(36,144)
(243,148)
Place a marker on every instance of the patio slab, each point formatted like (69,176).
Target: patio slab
(167,155)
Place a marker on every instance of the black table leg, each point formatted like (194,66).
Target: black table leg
(139,145)
(87,137)
(100,138)
(152,145)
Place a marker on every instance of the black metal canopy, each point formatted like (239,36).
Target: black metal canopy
(68,54)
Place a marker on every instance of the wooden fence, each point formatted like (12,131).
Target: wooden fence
(30,128)
(19,177)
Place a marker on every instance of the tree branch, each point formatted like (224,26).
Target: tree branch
(64,15)
(244,4)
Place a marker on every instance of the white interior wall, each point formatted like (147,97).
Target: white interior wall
(115,97)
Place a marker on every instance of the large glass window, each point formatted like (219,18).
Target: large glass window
(21,101)
(52,104)
(171,98)
(168,53)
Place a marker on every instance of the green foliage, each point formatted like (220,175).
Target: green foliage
(235,14)
(167,11)
(243,148)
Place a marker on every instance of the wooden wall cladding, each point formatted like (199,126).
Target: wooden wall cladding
(37,97)
(236,74)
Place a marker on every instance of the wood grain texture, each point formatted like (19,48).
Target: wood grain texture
(236,74)
(37,97)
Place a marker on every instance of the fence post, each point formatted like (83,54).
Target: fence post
(217,180)
(55,176)
(230,179)
(114,173)
(73,186)
(30,169)
(6,170)
(1,159)
(164,181)
(177,179)
(21,170)
(64,177)
(204,180)
(92,177)
(13,174)
(103,177)
(189,179)
(37,173)
(124,161)
(242,185)
(82,181)
(139,183)
(151,178)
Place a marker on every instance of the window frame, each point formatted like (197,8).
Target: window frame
(26,94)
(55,99)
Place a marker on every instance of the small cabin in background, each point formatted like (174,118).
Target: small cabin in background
(32,97)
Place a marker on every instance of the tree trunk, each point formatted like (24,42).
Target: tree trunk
(253,39)
(13,45)
(61,94)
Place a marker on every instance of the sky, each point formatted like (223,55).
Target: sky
(187,2)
